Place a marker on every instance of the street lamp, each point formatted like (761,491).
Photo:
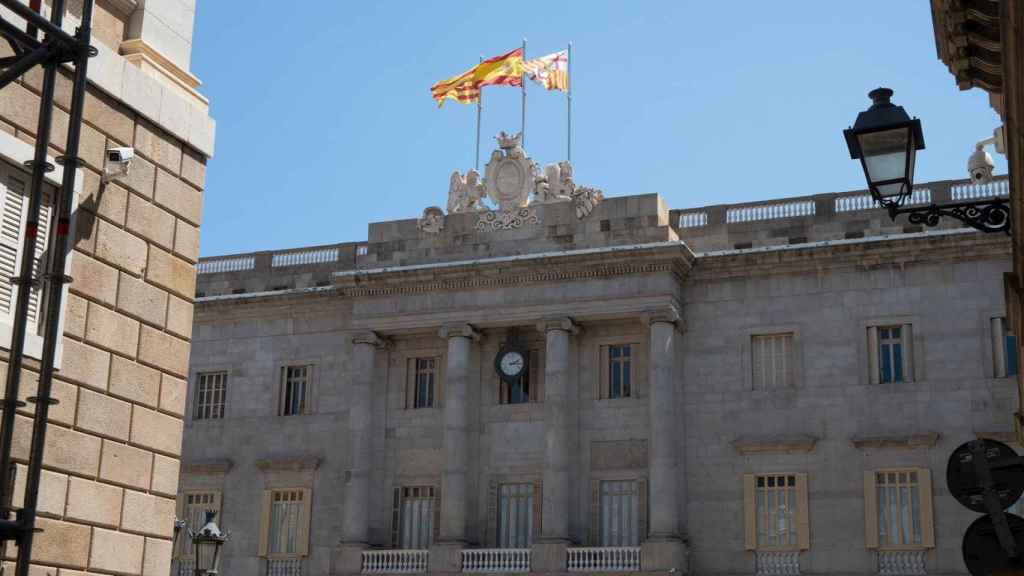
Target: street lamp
(206,544)
(886,139)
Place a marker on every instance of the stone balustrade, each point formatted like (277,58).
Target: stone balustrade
(901,562)
(395,561)
(781,563)
(186,566)
(604,559)
(284,567)
(495,560)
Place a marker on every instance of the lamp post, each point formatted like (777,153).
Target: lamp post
(886,139)
(206,545)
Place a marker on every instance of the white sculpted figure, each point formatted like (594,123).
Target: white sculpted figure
(556,184)
(465,192)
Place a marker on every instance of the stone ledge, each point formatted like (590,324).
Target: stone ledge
(801,444)
(304,462)
(926,440)
(1006,437)
(211,466)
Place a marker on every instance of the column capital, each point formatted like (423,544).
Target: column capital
(459,329)
(667,315)
(564,323)
(370,337)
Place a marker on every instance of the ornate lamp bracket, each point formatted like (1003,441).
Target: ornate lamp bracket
(988,215)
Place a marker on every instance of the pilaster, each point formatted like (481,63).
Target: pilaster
(454,486)
(557,429)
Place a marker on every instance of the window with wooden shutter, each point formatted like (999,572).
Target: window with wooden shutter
(424,386)
(891,353)
(285,521)
(775,512)
(898,509)
(14,188)
(620,513)
(293,398)
(1004,349)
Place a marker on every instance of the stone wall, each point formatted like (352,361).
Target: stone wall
(948,282)
(111,463)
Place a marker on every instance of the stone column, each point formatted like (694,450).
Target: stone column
(456,431)
(355,525)
(549,553)
(663,548)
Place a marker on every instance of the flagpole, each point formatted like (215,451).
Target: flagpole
(522,82)
(568,105)
(479,109)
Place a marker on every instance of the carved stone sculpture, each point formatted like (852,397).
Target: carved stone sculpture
(465,192)
(510,174)
(432,220)
(586,199)
(557,185)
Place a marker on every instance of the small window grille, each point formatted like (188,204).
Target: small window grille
(210,395)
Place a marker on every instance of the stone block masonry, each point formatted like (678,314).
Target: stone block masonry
(111,463)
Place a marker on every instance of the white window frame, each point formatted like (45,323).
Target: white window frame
(14,153)
(401,530)
(607,516)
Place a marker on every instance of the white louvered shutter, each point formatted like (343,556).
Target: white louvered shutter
(11,226)
(38,266)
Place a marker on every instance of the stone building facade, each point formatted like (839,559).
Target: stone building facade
(111,462)
(764,388)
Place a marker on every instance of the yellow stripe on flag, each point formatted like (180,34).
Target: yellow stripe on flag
(506,70)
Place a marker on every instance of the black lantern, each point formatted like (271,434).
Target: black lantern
(886,140)
(207,544)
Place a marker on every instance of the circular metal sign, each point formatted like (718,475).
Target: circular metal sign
(983,554)
(965,484)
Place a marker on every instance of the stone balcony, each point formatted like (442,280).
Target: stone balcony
(617,559)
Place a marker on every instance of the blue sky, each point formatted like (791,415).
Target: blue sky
(325,121)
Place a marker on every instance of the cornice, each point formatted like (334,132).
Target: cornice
(213,466)
(895,251)
(801,444)
(304,462)
(910,441)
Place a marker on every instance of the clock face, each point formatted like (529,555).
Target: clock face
(512,363)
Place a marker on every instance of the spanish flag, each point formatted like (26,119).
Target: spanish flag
(506,70)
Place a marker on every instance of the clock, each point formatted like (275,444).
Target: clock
(511,363)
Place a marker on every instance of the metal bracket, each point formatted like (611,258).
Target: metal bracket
(989,215)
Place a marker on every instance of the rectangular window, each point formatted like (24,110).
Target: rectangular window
(294,390)
(286,518)
(195,505)
(617,377)
(1004,349)
(776,511)
(515,515)
(620,513)
(772,361)
(529,388)
(899,509)
(891,354)
(210,395)
(414,517)
(424,382)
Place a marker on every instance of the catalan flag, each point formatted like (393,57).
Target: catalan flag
(551,71)
(506,70)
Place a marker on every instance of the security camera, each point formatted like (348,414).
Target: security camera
(118,162)
(980,165)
